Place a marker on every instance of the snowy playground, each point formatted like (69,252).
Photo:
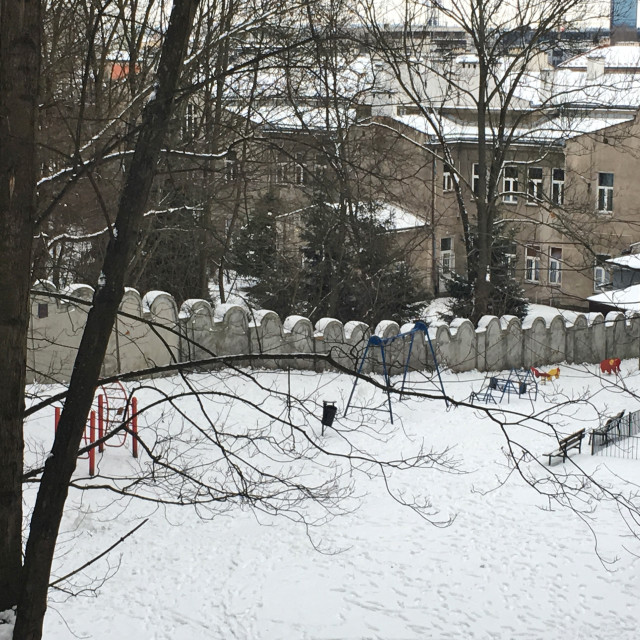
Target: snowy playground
(494,557)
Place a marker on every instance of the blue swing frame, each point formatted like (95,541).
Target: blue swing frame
(377,341)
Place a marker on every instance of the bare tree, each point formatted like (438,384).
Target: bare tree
(27,585)
(466,80)
(137,148)
(19,80)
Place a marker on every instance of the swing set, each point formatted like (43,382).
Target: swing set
(382,344)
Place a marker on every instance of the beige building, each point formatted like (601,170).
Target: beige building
(567,195)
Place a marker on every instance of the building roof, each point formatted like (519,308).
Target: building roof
(553,129)
(630,261)
(615,57)
(395,218)
(627,299)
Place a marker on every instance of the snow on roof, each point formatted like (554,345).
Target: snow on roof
(468,58)
(396,218)
(631,261)
(557,128)
(392,216)
(605,90)
(627,299)
(624,55)
(301,116)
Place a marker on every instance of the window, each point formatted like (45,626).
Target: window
(605,192)
(447,262)
(532,263)
(300,170)
(447,257)
(555,265)
(43,310)
(510,184)
(282,171)
(534,185)
(447,178)
(601,273)
(557,187)
(475,179)
(190,123)
(231,167)
(510,258)
(511,262)
(319,167)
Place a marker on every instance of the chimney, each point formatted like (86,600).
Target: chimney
(624,19)
(595,65)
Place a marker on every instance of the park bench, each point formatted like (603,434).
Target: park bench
(573,441)
(604,433)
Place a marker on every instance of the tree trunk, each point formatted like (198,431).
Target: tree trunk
(61,464)
(19,73)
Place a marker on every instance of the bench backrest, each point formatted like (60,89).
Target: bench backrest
(570,439)
(613,420)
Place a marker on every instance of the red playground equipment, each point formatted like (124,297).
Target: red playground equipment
(546,375)
(113,408)
(610,365)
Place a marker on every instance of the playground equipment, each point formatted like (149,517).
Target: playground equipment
(610,365)
(377,341)
(519,382)
(546,375)
(112,408)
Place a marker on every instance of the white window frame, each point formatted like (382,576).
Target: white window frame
(532,263)
(601,275)
(511,260)
(475,179)
(282,172)
(555,266)
(447,178)
(557,186)
(447,262)
(510,184)
(605,193)
(300,170)
(535,192)
(190,121)
(230,167)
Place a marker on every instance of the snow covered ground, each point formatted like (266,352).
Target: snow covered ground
(511,564)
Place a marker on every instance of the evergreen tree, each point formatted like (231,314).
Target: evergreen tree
(169,254)
(255,256)
(351,268)
(507,296)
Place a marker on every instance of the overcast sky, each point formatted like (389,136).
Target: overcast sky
(590,13)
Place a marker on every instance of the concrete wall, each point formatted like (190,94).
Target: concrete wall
(196,331)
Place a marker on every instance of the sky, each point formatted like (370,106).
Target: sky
(591,13)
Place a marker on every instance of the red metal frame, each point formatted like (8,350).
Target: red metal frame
(127,412)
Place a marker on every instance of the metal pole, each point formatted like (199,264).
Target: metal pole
(134,426)
(100,422)
(92,439)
